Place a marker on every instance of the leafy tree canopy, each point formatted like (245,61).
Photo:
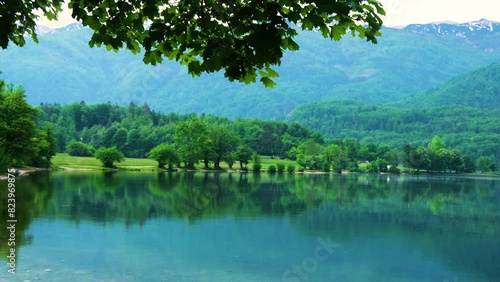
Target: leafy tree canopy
(164,154)
(108,156)
(242,37)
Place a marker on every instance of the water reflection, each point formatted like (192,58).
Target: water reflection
(453,220)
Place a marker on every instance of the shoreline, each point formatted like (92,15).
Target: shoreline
(26,171)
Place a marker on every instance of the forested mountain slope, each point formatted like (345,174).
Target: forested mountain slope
(479,88)
(63,69)
(473,131)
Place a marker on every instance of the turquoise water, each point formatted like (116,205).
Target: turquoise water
(137,226)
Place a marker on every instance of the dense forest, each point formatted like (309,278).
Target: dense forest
(463,112)
(473,131)
(172,139)
(135,130)
(31,136)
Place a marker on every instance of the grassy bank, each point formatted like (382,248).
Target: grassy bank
(67,161)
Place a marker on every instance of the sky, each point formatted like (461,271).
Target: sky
(404,12)
(400,13)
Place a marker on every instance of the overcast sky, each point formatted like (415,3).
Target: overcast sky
(403,12)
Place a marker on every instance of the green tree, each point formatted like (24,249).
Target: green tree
(416,158)
(436,144)
(164,154)
(244,153)
(231,158)
(109,133)
(420,159)
(335,157)
(352,149)
(78,148)
(485,163)
(381,165)
(17,125)
(368,152)
(190,138)
(45,147)
(120,139)
(243,38)
(392,157)
(308,154)
(108,156)
(4,160)
(468,164)
(455,161)
(222,142)
(135,144)
(438,159)
(256,162)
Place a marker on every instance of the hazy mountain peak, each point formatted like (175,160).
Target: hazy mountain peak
(71,26)
(482,34)
(458,29)
(41,29)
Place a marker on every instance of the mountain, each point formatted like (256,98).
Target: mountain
(63,69)
(479,88)
(472,33)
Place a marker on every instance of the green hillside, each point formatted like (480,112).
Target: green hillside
(473,131)
(479,88)
(63,69)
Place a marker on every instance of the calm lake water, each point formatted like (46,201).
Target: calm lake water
(137,226)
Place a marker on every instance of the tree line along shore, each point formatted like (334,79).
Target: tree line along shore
(33,135)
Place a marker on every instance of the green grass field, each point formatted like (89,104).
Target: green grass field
(67,161)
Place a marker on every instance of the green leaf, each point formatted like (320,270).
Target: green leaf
(194,68)
(271,72)
(152,57)
(268,83)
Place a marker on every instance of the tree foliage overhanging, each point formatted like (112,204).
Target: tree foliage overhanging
(21,143)
(242,37)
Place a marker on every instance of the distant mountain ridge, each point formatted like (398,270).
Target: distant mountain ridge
(458,29)
(63,69)
(472,33)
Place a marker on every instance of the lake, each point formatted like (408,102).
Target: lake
(140,226)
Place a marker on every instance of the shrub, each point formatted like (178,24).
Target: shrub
(109,155)
(281,167)
(164,154)
(353,167)
(272,169)
(301,169)
(325,167)
(372,167)
(393,169)
(257,163)
(256,167)
(77,148)
(290,168)
(485,164)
